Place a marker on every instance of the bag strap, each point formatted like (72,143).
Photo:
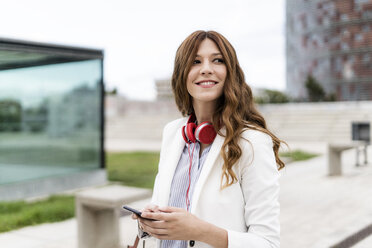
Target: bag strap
(135,243)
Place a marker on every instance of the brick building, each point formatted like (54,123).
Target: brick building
(332,41)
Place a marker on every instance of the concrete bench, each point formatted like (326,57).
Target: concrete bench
(98,212)
(334,155)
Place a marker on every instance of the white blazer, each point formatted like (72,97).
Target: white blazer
(249,209)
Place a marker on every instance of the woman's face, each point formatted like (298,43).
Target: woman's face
(207,75)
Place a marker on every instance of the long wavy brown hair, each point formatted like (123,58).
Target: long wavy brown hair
(235,110)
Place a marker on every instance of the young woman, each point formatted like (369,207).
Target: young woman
(218,182)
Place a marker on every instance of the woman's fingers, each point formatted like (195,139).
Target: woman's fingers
(153,224)
(151,208)
(170,209)
(156,229)
(156,216)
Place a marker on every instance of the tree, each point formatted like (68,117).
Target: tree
(10,115)
(271,96)
(114,92)
(315,91)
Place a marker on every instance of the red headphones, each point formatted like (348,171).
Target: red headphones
(204,133)
(191,133)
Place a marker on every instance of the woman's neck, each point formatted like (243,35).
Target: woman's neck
(204,111)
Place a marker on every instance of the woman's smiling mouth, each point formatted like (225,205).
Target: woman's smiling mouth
(206,83)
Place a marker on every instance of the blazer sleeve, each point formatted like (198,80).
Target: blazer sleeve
(259,179)
(155,191)
(168,132)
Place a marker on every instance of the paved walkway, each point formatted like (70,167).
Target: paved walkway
(320,211)
(316,210)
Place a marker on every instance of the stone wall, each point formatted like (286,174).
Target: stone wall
(324,122)
(137,125)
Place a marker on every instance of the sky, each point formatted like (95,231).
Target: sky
(140,38)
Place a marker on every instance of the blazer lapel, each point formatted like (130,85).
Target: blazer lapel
(207,167)
(173,156)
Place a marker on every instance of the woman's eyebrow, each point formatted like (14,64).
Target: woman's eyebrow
(213,54)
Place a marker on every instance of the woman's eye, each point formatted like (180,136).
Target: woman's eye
(196,61)
(219,60)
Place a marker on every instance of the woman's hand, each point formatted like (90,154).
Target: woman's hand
(171,223)
(149,208)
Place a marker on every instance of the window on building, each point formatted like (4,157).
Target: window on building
(366,59)
(358,37)
(360,1)
(367,14)
(329,7)
(366,28)
(358,4)
(326,21)
(344,17)
(338,64)
(345,46)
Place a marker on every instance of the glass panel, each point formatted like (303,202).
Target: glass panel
(49,120)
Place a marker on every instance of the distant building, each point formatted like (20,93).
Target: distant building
(332,41)
(164,89)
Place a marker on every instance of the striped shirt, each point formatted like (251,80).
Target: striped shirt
(180,183)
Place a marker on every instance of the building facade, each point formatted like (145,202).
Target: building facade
(330,40)
(163,89)
(51,118)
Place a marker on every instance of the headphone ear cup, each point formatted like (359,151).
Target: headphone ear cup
(205,133)
(185,138)
(189,132)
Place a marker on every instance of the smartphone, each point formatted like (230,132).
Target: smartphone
(142,233)
(135,211)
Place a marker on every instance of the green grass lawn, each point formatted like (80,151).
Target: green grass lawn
(18,214)
(298,155)
(136,169)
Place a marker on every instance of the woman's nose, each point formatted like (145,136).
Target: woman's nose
(206,68)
